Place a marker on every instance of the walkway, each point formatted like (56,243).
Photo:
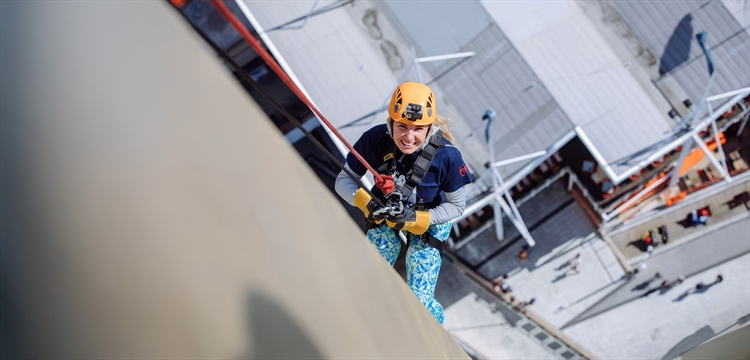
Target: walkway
(715,245)
(488,325)
(665,325)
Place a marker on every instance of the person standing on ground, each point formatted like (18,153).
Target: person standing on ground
(522,306)
(665,284)
(577,261)
(415,147)
(524,253)
(703,216)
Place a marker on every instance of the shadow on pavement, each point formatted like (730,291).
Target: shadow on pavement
(560,277)
(644,284)
(689,342)
(694,291)
(557,236)
(639,244)
(682,296)
(563,266)
(552,215)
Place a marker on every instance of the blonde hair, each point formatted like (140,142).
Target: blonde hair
(441,121)
(445,127)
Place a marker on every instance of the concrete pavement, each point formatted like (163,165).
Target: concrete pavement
(488,325)
(664,325)
(715,246)
(578,300)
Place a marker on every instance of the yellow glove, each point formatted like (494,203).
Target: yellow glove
(415,222)
(373,212)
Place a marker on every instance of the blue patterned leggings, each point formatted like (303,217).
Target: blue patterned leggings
(422,261)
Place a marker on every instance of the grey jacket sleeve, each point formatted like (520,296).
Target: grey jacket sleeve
(345,186)
(453,207)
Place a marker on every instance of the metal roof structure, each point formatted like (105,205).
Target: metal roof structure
(349,71)
(668,29)
(589,81)
(546,68)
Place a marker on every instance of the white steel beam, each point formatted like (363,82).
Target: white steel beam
(444,57)
(728,94)
(616,179)
(619,209)
(710,155)
(520,158)
(674,174)
(722,159)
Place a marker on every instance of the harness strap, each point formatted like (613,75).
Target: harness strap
(421,164)
(431,241)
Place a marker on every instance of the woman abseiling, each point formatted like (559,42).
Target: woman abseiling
(415,148)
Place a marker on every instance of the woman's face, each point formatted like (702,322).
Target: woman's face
(409,138)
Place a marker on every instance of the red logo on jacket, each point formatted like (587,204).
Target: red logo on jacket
(463,171)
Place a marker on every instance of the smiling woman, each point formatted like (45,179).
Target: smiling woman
(415,148)
(409,138)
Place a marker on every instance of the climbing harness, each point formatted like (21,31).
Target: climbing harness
(404,185)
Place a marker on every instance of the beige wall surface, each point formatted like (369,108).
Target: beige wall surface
(732,345)
(151,210)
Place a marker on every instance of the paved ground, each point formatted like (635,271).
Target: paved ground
(715,246)
(484,245)
(486,324)
(562,293)
(561,229)
(598,305)
(717,197)
(663,325)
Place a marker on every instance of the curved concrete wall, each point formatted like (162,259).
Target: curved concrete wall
(151,210)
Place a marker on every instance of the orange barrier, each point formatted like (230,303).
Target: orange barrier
(651,192)
(697,154)
(690,160)
(677,198)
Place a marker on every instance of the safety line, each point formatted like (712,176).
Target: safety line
(384,182)
(238,69)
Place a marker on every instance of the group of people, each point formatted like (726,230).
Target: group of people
(501,286)
(655,237)
(416,149)
(700,217)
(666,284)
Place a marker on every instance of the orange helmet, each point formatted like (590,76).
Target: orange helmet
(413,103)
